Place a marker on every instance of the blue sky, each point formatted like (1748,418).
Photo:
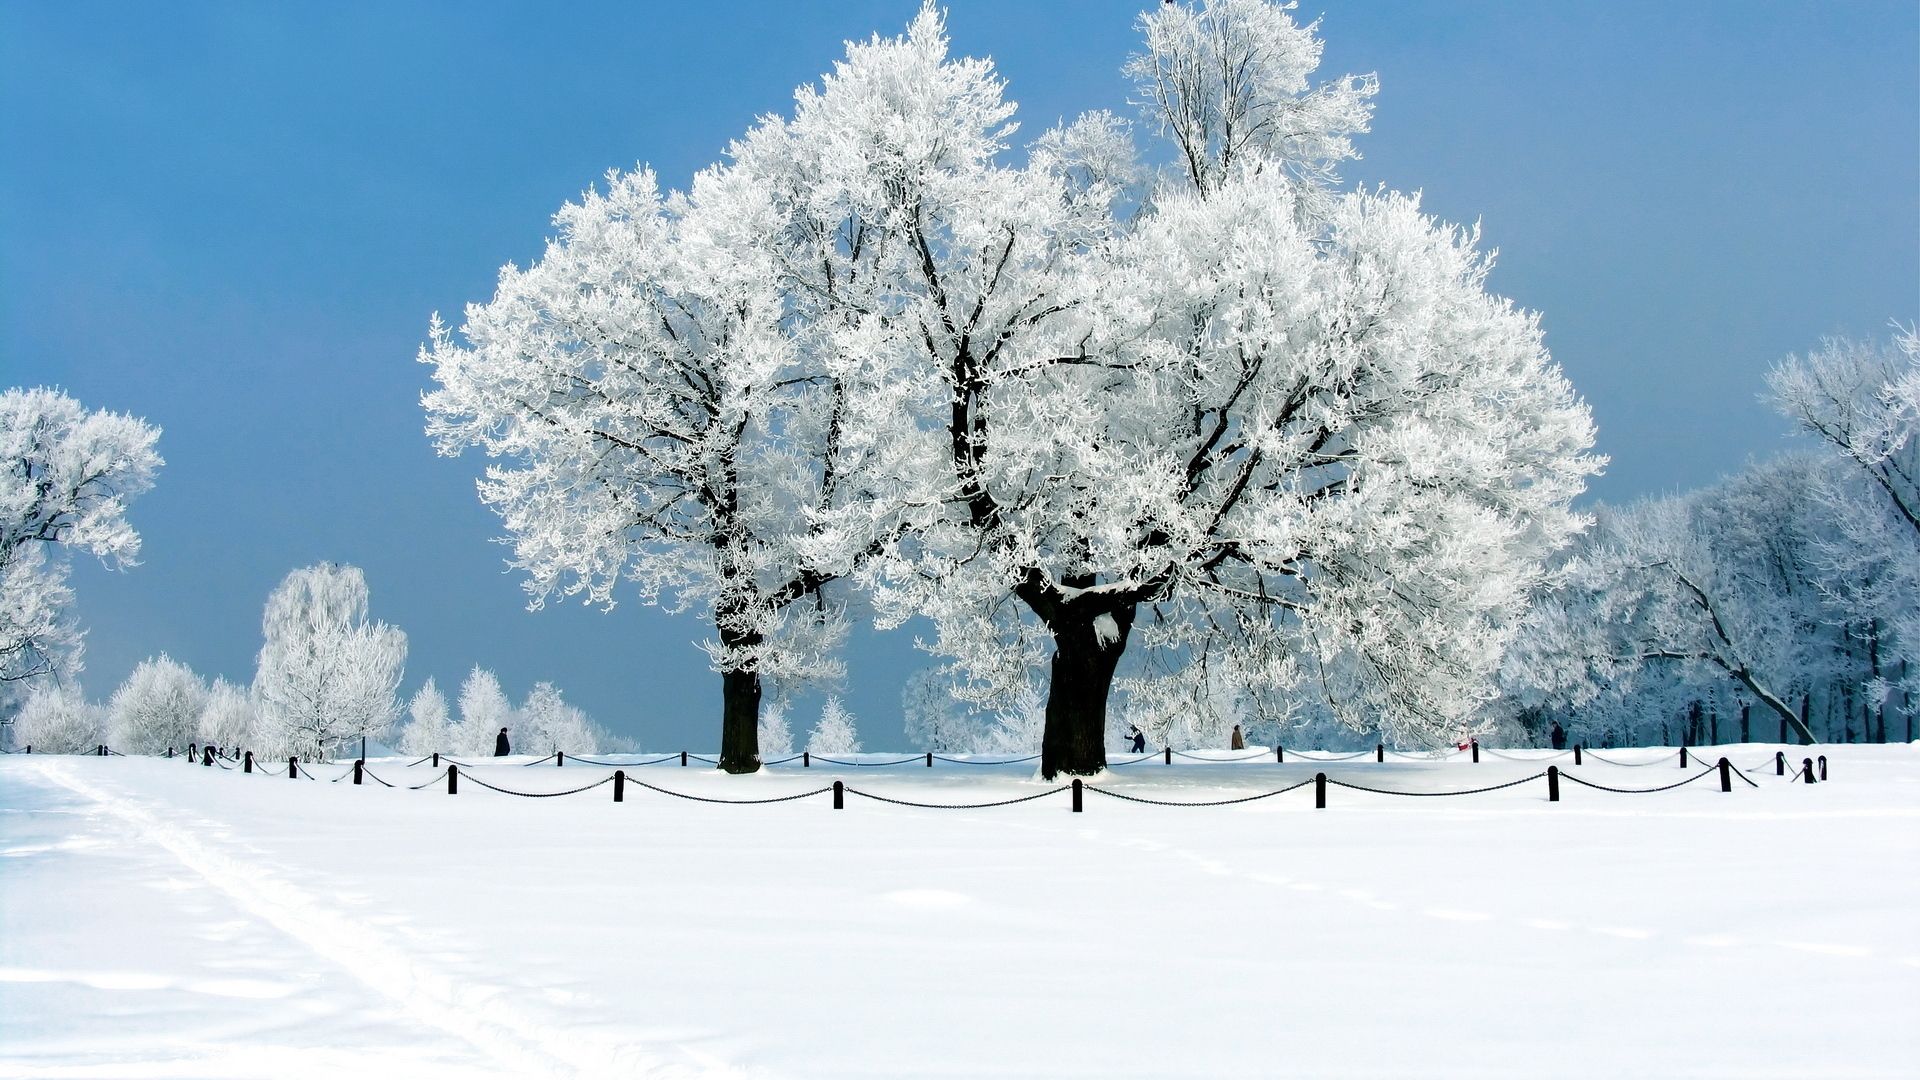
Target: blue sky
(234,220)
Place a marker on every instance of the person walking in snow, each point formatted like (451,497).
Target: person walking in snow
(500,748)
(1558,736)
(1139,738)
(1239,740)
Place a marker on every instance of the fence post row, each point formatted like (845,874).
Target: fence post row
(1076,796)
(619,785)
(1553,783)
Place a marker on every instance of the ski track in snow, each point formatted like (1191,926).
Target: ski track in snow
(480,1014)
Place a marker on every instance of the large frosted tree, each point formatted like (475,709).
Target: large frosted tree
(65,482)
(1307,436)
(326,674)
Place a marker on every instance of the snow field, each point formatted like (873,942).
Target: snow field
(164,919)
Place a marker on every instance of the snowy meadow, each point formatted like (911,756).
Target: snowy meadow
(247,925)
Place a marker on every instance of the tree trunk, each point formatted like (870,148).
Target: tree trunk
(1075,740)
(740,721)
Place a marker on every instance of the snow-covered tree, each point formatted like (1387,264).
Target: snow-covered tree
(776,735)
(326,675)
(835,732)
(1321,439)
(547,723)
(58,719)
(68,477)
(1230,84)
(427,730)
(670,414)
(157,707)
(484,710)
(228,717)
(936,719)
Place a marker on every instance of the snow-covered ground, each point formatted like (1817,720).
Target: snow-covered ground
(159,919)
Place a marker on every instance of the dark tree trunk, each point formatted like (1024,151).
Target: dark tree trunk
(1746,731)
(1075,741)
(740,721)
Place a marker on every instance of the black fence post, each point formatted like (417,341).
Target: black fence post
(453,779)
(169,753)
(806,759)
(1169,755)
(559,758)
(193,751)
(929,759)
(436,759)
(206,756)
(358,765)
(839,795)
(1806,770)
(619,785)
(1683,757)
(249,762)
(1319,791)
(1779,763)
(1279,756)
(100,750)
(1076,796)
(1576,753)
(1474,744)
(683,759)
(1726,775)
(1380,752)
(1553,783)
(293,768)
(1823,766)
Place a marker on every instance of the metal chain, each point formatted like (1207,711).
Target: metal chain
(608,779)
(964,761)
(1637,791)
(959,806)
(430,783)
(731,802)
(1331,757)
(869,764)
(1633,764)
(1439,794)
(1219,761)
(1216,802)
(1509,757)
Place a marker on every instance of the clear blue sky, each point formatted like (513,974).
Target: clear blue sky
(234,219)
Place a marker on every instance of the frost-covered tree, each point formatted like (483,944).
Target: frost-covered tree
(484,710)
(1230,84)
(547,723)
(157,707)
(228,716)
(1318,440)
(667,414)
(835,732)
(58,719)
(776,735)
(326,675)
(936,719)
(1716,581)
(427,729)
(65,485)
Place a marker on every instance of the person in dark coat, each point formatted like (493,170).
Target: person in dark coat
(1239,740)
(1559,736)
(1139,738)
(500,747)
